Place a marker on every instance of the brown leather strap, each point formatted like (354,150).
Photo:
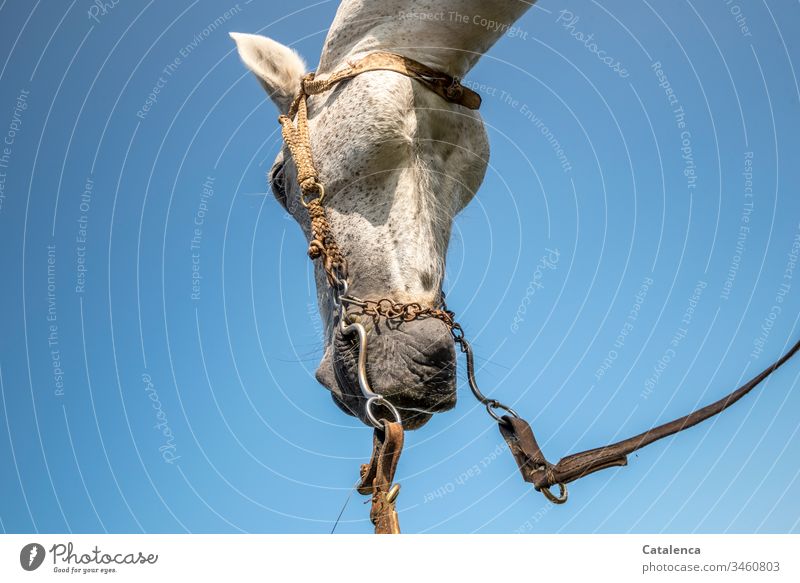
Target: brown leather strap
(378,474)
(542,474)
(447,87)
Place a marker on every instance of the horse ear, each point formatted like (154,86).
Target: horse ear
(278,68)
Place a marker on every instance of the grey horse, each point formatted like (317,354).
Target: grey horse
(398,163)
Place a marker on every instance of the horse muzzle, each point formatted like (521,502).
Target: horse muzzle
(412,364)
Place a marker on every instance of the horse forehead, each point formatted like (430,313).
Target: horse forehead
(373,105)
(363,127)
(386,114)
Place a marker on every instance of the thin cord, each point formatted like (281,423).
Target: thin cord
(349,495)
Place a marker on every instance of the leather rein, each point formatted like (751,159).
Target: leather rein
(377,476)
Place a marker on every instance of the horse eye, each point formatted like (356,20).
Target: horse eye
(277,183)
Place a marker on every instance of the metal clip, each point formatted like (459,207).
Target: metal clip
(562,495)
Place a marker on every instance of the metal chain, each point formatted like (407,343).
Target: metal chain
(397,311)
(407,312)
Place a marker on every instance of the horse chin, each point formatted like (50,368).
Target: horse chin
(411,364)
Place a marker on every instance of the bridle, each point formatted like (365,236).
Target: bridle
(377,476)
(323,246)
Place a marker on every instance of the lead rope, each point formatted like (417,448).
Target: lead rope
(377,476)
(519,436)
(542,474)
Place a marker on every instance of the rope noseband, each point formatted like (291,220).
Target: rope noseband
(377,476)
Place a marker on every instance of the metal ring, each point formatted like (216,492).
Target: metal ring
(562,495)
(374,421)
(458,334)
(363,381)
(380,303)
(319,199)
(491,405)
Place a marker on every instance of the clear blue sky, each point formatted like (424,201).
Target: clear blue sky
(628,258)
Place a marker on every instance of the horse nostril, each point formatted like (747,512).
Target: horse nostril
(440,353)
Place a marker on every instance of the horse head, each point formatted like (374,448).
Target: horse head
(398,163)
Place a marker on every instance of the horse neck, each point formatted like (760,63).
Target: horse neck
(447,36)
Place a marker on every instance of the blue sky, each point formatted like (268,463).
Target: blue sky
(630,257)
